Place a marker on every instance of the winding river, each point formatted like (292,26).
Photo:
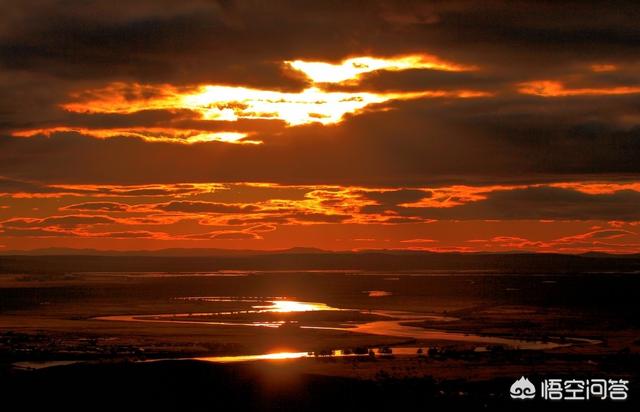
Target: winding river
(395,326)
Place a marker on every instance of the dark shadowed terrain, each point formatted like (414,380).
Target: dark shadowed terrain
(83,339)
(60,261)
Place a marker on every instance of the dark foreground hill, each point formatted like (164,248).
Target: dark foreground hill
(195,386)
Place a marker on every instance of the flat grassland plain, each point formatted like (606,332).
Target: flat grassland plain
(348,339)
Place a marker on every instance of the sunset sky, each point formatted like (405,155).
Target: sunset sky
(444,126)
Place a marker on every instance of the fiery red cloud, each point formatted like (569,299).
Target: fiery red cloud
(267,216)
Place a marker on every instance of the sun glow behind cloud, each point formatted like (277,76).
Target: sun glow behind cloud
(351,69)
(231,103)
(308,106)
(225,103)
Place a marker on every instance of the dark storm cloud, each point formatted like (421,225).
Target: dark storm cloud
(10,186)
(53,233)
(261,219)
(99,207)
(608,234)
(68,222)
(420,143)
(316,217)
(203,207)
(149,41)
(169,119)
(522,33)
(395,197)
(228,235)
(133,234)
(10,232)
(536,203)
(145,118)
(244,42)
(425,79)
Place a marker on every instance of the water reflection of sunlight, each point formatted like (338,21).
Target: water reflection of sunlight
(294,306)
(271,304)
(266,356)
(405,351)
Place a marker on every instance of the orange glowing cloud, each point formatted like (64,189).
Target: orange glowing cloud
(597,188)
(149,190)
(351,69)
(149,134)
(453,196)
(269,215)
(550,88)
(231,103)
(308,106)
(603,240)
(119,97)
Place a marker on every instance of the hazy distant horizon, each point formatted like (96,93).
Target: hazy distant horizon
(295,249)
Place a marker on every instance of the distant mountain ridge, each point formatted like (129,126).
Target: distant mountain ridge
(53,251)
(158,252)
(55,260)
